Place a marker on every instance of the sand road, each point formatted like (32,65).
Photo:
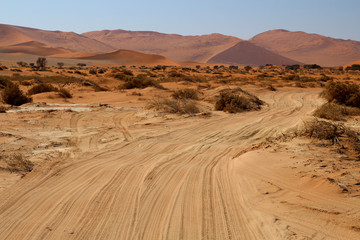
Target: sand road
(130,175)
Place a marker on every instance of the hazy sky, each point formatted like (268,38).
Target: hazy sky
(244,19)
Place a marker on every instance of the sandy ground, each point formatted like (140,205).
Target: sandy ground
(125,172)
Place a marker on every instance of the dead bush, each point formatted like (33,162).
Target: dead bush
(323,130)
(41,88)
(3,109)
(17,163)
(342,93)
(237,100)
(335,112)
(186,93)
(64,93)
(14,96)
(5,82)
(182,106)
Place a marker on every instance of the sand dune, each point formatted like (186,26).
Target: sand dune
(309,48)
(33,48)
(351,63)
(130,57)
(177,48)
(11,35)
(246,53)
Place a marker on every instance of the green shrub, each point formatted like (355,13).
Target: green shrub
(14,96)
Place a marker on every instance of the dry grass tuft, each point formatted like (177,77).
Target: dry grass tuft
(237,100)
(17,163)
(182,106)
(186,93)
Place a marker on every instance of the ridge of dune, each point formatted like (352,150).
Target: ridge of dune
(309,48)
(176,47)
(33,48)
(246,53)
(10,35)
(351,63)
(122,56)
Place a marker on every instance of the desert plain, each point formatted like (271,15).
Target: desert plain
(148,151)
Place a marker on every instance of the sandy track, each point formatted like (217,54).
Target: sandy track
(129,177)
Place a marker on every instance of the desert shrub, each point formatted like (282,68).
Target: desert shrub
(5,82)
(186,93)
(335,112)
(94,85)
(139,82)
(17,163)
(323,130)
(312,66)
(14,96)
(175,74)
(330,111)
(92,71)
(271,87)
(64,93)
(122,76)
(3,109)
(237,100)
(127,72)
(178,106)
(354,67)
(41,88)
(342,93)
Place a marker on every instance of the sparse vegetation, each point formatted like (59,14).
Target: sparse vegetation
(140,82)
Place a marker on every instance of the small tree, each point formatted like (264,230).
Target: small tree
(41,63)
(60,64)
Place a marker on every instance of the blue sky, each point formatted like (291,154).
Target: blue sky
(239,18)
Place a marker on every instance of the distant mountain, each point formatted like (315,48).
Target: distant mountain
(11,35)
(178,48)
(246,53)
(130,57)
(309,48)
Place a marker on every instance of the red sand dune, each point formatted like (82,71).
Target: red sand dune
(178,48)
(130,57)
(33,48)
(309,48)
(246,53)
(10,35)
